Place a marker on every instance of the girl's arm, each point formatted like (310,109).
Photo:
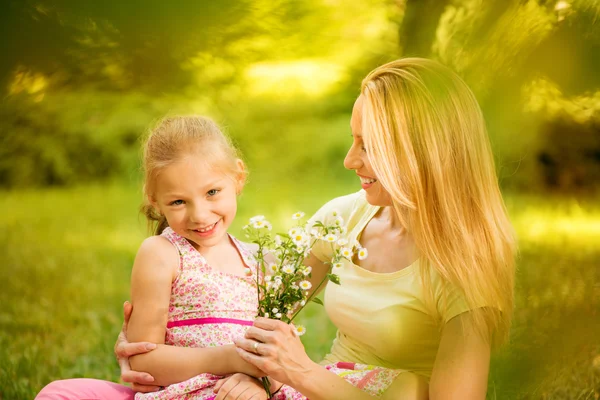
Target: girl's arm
(462,363)
(154,270)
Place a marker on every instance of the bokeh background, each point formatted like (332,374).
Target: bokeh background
(82,81)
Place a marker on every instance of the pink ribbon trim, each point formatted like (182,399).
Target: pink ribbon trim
(204,321)
(346,365)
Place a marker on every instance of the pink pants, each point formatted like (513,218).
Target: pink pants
(85,389)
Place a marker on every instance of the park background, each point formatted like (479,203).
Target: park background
(82,81)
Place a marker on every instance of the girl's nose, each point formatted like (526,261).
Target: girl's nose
(199,215)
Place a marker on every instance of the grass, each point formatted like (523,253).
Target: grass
(66,257)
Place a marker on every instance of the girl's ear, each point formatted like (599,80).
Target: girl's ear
(240,179)
(154,204)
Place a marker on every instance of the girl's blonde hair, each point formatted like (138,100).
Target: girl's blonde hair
(174,138)
(428,145)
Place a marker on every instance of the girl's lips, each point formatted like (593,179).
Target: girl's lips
(208,232)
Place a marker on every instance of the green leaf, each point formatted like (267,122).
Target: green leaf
(318,301)
(334,278)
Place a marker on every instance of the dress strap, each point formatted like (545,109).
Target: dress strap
(181,244)
(246,253)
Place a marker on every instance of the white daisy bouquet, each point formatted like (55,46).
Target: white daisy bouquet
(284,284)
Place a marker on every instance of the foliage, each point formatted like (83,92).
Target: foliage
(67,257)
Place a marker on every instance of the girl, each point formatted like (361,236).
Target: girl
(192,284)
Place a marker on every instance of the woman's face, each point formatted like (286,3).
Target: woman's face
(357,160)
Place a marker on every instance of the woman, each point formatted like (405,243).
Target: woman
(435,294)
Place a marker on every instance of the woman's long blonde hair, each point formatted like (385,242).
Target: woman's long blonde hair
(428,146)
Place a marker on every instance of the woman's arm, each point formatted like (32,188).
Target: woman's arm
(319,271)
(462,363)
(281,355)
(154,270)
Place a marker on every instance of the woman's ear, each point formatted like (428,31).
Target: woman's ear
(242,174)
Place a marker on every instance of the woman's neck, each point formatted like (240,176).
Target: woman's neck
(389,217)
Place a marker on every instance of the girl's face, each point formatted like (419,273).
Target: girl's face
(357,159)
(199,203)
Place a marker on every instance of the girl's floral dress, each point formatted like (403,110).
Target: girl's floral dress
(207,308)
(211,308)
(369,378)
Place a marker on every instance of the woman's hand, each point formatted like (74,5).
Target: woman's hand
(140,381)
(240,387)
(275,348)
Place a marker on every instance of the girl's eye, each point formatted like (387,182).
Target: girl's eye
(212,192)
(363,148)
(176,202)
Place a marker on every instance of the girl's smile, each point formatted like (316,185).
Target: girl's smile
(207,230)
(199,202)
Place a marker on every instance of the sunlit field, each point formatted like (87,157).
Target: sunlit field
(66,257)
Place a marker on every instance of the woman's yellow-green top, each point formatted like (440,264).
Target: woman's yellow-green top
(381,317)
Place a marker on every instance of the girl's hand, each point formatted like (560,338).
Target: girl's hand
(140,381)
(240,387)
(275,348)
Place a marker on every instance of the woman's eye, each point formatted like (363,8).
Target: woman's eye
(212,192)
(176,202)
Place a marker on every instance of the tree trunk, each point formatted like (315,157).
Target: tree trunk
(417,30)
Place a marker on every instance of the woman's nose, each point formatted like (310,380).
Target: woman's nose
(352,160)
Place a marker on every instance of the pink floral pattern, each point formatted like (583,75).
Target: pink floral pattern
(203,292)
(369,378)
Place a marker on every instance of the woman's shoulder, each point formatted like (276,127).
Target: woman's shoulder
(344,206)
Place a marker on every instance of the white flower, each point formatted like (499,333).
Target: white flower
(278,240)
(268,278)
(346,252)
(288,269)
(275,310)
(261,224)
(266,315)
(268,225)
(331,238)
(257,218)
(294,231)
(299,238)
(299,249)
(362,253)
(298,215)
(300,330)
(342,242)
(305,285)
(337,265)
(307,271)
(278,315)
(303,303)
(273,268)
